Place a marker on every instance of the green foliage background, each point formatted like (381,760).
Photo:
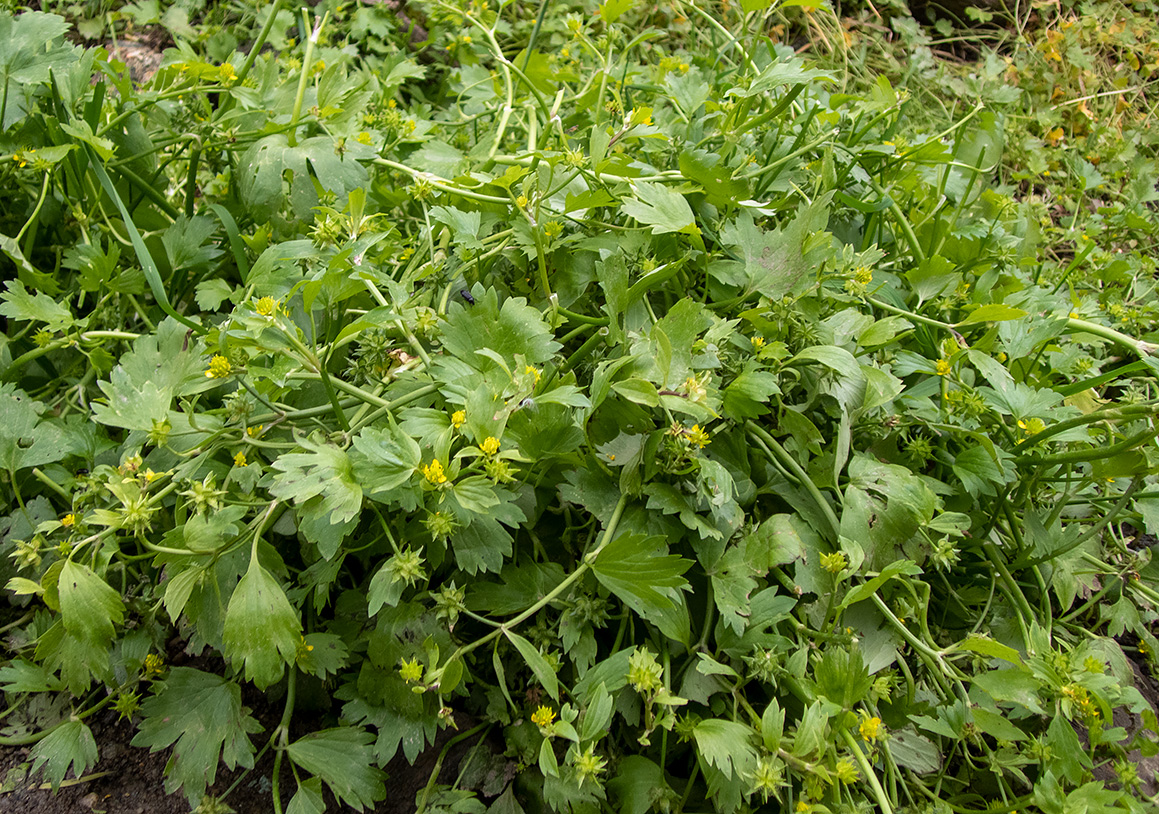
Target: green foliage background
(707,426)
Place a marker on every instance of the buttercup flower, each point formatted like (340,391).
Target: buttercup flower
(490,446)
(543,717)
(942,368)
(434,473)
(458,418)
(219,368)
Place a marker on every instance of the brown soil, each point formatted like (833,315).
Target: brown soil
(130,780)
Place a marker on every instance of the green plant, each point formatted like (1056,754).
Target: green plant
(710,436)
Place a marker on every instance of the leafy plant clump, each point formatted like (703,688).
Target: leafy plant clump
(691,430)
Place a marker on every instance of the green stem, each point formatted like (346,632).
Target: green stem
(283,735)
(584,567)
(1136,346)
(1082,455)
(789,462)
(311,41)
(259,43)
(875,785)
(35,212)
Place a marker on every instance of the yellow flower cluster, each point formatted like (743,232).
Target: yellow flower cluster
(458,418)
(434,473)
(219,368)
(543,717)
(870,728)
(490,446)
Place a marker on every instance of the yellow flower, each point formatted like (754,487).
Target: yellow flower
(870,728)
(410,671)
(434,473)
(219,367)
(521,201)
(490,446)
(942,368)
(758,342)
(239,459)
(458,418)
(154,665)
(863,275)
(528,370)
(267,306)
(553,228)
(225,73)
(364,138)
(68,521)
(543,717)
(254,432)
(699,436)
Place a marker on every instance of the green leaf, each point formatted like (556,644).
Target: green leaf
(25,440)
(640,784)
(980,472)
(322,654)
(385,460)
(778,262)
(201,716)
(1013,685)
(869,587)
(20,305)
(513,329)
(262,629)
(88,605)
(70,745)
(914,752)
(640,571)
(308,798)
(324,470)
(991,648)
(538,664)
(726,745)
(995,312)
(344,758)
(611,10)
(661,208)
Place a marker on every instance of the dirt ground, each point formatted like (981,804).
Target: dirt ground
(129,780)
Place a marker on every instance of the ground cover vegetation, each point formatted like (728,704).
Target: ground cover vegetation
(694,421)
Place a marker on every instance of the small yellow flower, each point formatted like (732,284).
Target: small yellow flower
(490,446)
(698,436)
(1031,426)
(68,521)
(534,373)
(239,459)
(434,473)
(219,368)
(870,728)
(226,74)
(863,275)
(267,306)
(521,201)
(942,368)
(458,418)
(543,717)
(154,665)
(553,228)
(758,342)
(364,138)
(410,671)
(254,432)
